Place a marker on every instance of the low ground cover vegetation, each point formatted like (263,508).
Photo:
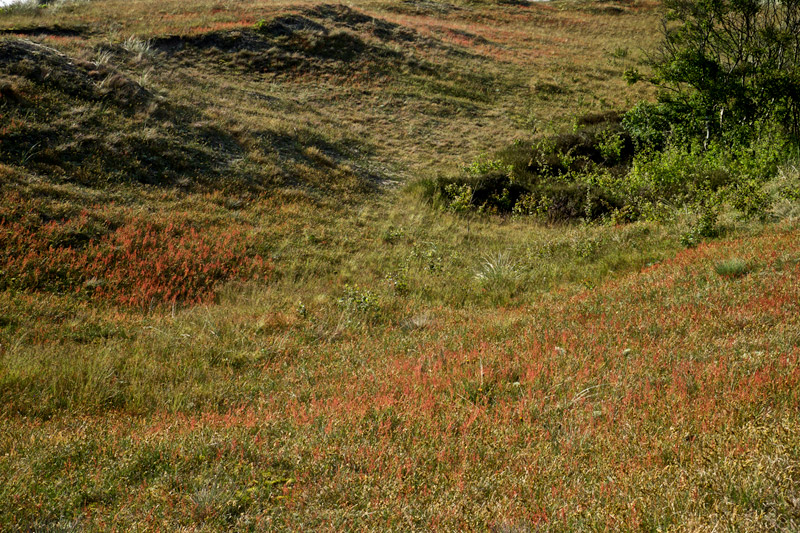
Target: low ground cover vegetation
(414,265)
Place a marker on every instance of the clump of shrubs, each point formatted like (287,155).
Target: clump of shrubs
(553,178)
(621,168)
(726,118)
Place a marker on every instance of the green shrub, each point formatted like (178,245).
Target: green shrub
(554,178)
(730,63)
(359,303)
(648,126)
(705,227)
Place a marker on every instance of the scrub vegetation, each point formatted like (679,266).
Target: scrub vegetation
(398,265)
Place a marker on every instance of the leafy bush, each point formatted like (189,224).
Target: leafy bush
(704,228)
(648,126)
(730,63)
(359,303)
(554,178)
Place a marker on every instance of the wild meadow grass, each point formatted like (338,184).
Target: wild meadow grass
(325,398)
(732,268)
(226,306)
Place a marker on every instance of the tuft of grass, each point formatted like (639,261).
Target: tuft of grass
(139,48)
(498,270)
(22,7)
(732,268)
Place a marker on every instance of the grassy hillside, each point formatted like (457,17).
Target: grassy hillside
(226,302)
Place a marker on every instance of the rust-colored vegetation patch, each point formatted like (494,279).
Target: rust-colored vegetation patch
(140,263)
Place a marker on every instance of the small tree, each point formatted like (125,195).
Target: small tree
(731,62)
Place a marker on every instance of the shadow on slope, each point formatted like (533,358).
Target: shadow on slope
(331,39)
(91,124)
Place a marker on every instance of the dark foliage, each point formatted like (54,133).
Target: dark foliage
(727,63)
(550,178)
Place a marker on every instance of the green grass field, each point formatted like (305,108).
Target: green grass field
(225,304)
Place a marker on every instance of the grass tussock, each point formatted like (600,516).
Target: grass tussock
(732,268)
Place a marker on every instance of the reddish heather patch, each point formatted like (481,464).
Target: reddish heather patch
(139,264)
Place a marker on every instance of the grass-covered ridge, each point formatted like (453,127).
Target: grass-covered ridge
(383,266)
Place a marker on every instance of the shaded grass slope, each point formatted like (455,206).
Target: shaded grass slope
(329,38)
(90,123)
